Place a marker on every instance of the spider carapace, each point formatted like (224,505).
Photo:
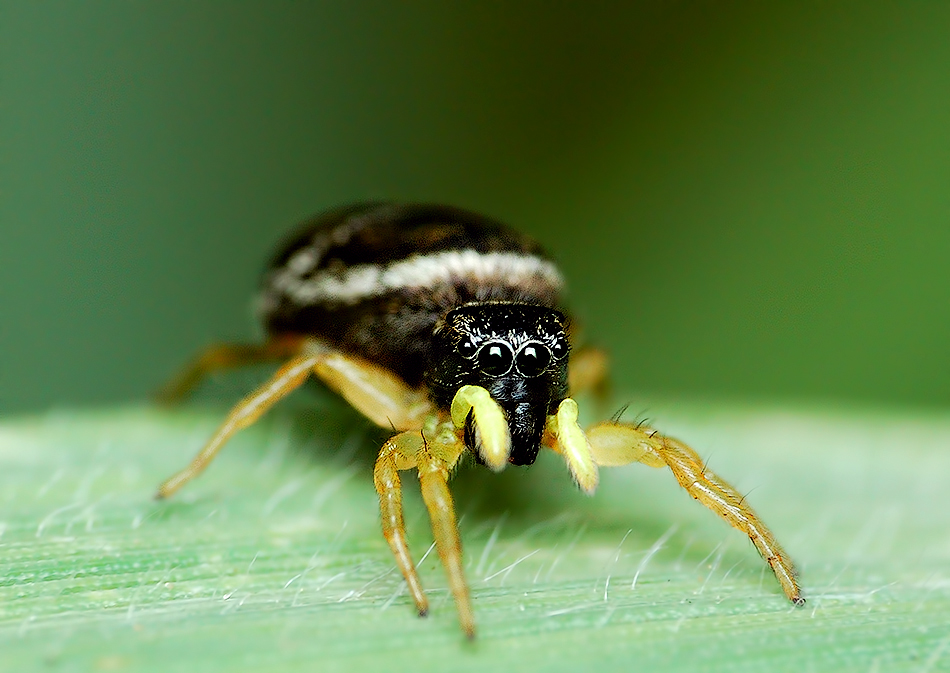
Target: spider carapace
(444,326)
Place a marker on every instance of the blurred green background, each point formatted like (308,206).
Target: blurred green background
(750,200)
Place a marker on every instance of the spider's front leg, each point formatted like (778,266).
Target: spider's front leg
(434,451)
(615,444)
(611,444)
(399,453)
(375,392)
(225,356)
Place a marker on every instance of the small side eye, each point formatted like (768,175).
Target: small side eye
(533,359)
(495,358)
(559,349)
(466,348)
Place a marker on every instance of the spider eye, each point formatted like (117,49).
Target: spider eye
(533,359)
(559,349)
(495,358)
(466,348)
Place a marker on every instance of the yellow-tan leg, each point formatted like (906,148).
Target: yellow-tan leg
(376,392)
(285,380)
(442,449)
(434,457)
(430,443)
(226,356)
(587,372)
(614,444)
(398,453)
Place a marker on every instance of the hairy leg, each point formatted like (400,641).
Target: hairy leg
(376,392)
(285,380)
(615,444)
(434,451)
(226,356)
(587,372)
(442,449)
(399,453)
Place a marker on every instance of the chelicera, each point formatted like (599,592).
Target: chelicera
(446,327)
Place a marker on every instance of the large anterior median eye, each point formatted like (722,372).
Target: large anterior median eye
(533,359)
(495,358)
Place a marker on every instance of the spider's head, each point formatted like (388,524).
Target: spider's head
(517,352)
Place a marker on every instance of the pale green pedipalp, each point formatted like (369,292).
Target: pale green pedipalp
(492,435)
(573,444)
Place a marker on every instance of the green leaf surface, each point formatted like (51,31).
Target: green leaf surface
(273,559)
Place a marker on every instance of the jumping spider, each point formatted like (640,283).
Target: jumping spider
(444,326)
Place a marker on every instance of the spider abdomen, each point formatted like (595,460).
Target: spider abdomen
(376,279)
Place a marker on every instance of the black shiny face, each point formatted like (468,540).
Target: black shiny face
(518,352)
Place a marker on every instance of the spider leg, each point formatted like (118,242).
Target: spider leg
(285,380)
(225,356)
(434,452)
(587,372)
(615,444)
(399,453)
(377,393)
(374,391)
(439,454)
